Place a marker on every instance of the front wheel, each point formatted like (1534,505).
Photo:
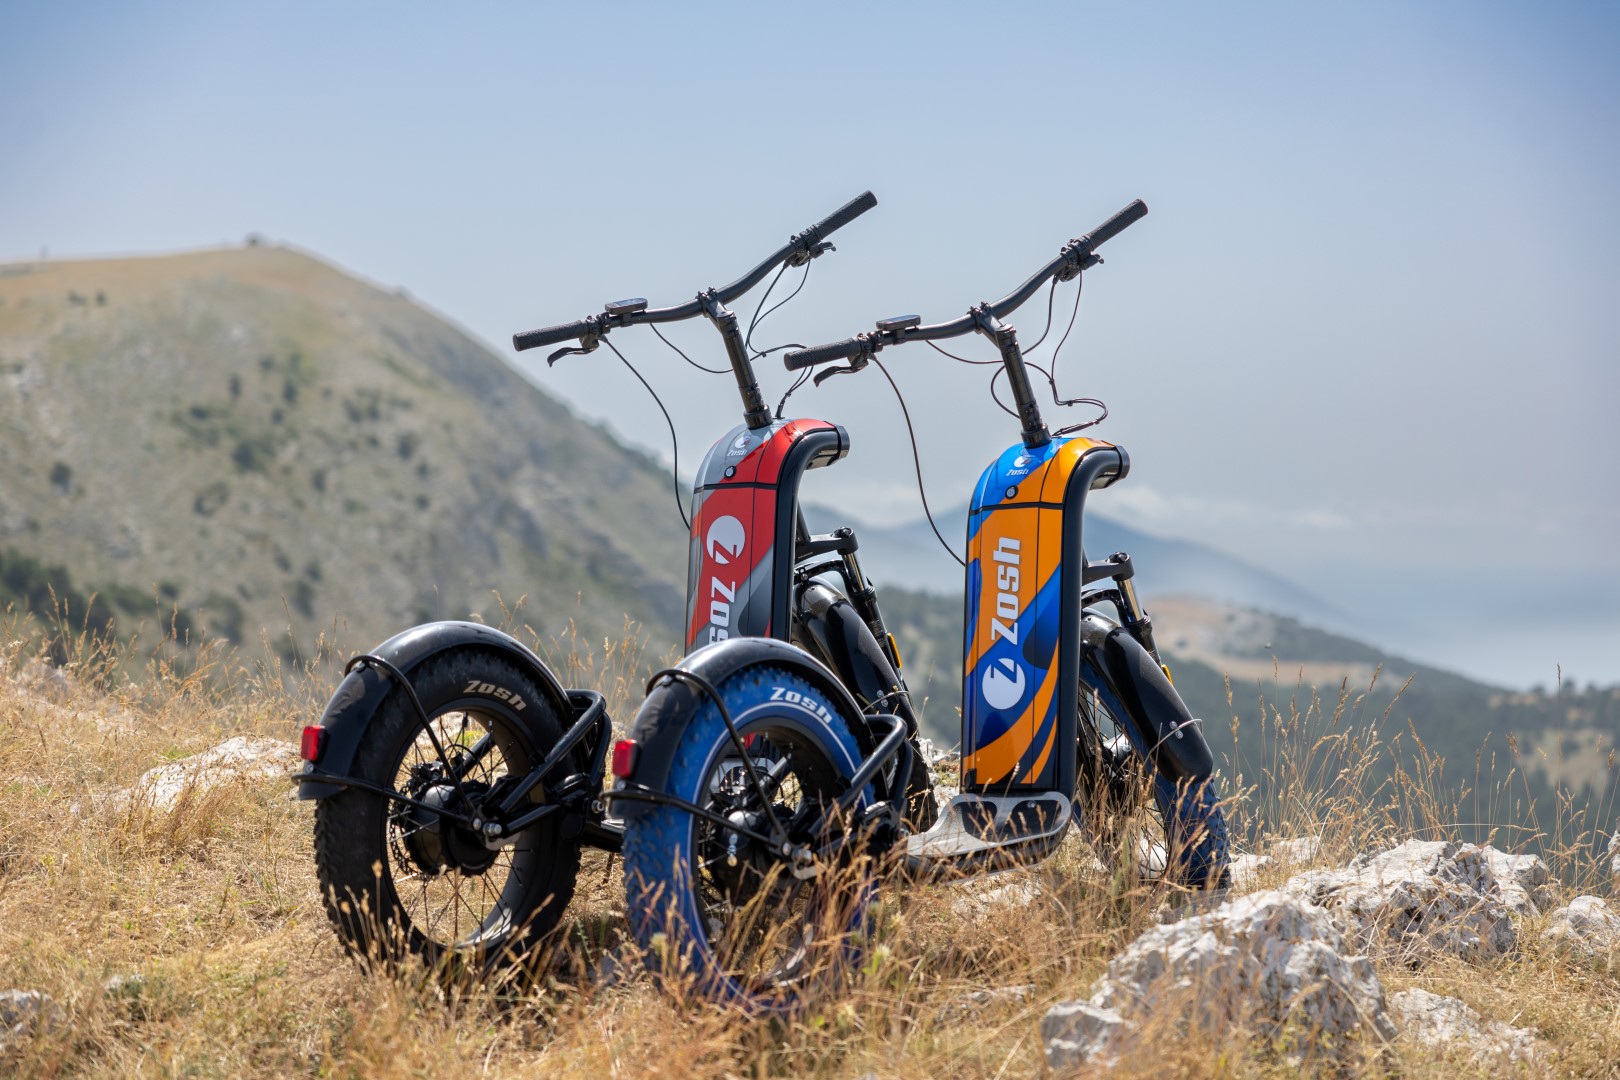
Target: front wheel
(404,878)
(714,906)
(1168,831)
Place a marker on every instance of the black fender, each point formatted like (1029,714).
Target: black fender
(672,703)
(360,694)
(1155,717)
(826,625)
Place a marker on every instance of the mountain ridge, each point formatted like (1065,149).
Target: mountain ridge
(323,447)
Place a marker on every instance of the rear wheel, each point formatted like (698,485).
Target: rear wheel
(401,879)
(716,906)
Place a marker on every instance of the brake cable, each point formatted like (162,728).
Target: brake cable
(675,467)
(917,461)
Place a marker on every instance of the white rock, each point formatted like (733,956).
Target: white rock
(975,1002)
(1588,925)
(1006,890)
(1245,869)
(1443,1021)
(24,1011)
(1614,856)
(1421,897)
(1262,961)
(1523,882)
(1300,850)
(238,760)
(1077,1032)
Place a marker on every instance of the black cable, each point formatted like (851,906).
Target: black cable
(1002,405)
(688,359)
(1051,297)
(675,469)
(959,359)
(1051,376)
(916,459)
(748,339)
(804,377)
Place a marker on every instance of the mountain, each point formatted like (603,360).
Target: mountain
(244,438)
(910,556)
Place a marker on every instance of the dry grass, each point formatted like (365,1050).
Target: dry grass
(215,906)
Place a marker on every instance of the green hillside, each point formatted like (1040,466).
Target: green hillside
(253,439)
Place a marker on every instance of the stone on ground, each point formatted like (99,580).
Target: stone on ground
(1078,1032)
(237,760)
(22,1012)
(971,1004)
(1588,924)
(1417,899)
(1264,962)
(1445,1021)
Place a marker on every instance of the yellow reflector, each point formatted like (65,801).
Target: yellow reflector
(895,651)
(1167,674)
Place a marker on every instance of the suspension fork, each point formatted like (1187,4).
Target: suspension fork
(1132,616)
(862,597)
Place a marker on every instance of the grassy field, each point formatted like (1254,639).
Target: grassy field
(214,907)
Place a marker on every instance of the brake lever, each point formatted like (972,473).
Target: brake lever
(852,368)
(570,350)
(800,258)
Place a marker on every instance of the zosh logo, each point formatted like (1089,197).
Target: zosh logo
(724,542)
(1003,681)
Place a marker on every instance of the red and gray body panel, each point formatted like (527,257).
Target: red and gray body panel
(744,514)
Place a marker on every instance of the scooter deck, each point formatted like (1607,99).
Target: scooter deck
(975,830)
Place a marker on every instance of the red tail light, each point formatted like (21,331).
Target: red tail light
(624,758)
(313,741)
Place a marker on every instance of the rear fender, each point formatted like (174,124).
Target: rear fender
(670,705)
(1155,718)
(358,697)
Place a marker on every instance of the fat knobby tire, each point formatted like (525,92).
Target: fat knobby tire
(662,900)
(1197,825)
(351,827)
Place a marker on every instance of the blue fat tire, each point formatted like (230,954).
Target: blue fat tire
(661,898)
(1197,840)
(1195,823)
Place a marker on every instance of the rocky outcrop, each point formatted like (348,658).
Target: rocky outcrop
(1587,925)
(1078,1032)
(1444,1022)
(1417,899)
(1268,962)
(1522,882)
(245,758)
(1295,961)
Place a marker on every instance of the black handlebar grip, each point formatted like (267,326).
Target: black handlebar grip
(821,354)
(851,210)
(1116,224)
(533,339)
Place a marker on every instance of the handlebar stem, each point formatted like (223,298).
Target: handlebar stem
(1034,430)
(755,412)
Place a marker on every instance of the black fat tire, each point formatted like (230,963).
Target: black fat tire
(357,842)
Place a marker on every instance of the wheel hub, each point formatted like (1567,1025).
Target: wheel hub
(437,843)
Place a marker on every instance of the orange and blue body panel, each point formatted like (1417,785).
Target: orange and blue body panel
(1020,674)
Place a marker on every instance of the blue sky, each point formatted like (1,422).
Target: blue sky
(1367,334)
